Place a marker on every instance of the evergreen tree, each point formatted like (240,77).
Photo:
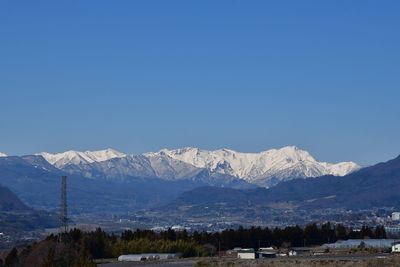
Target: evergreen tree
(12,258)
(380,232)
(341,232)
(312,235)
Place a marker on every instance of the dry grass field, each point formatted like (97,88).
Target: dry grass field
(345,261)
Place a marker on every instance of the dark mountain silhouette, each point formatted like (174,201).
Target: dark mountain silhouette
(10,202)
(37,183)
(375,186)
(16,216)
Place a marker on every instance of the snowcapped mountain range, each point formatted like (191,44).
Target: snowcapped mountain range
(222,166)
(281,163)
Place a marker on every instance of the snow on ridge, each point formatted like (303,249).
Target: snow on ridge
(77,157)
(261,168)
(254,166)
(103,155)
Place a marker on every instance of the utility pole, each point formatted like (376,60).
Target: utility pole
(63,205)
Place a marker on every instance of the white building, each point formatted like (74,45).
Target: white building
(393,230)
(292,253)
(396,216)
(246,253)
(396,247)
(131,257)
(368,243)
(146,257)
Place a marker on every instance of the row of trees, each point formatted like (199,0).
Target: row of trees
(85,246)
(255,237)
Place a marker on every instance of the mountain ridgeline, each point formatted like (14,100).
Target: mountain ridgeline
(222,167)
(375,186)
(113,181)
(37,183)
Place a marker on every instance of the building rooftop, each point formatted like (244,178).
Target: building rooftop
(246,250)
(353,243)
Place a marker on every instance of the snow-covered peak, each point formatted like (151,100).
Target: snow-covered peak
(288,152)
(77,157)
(278,163)
(3,155)
(103,155)
(342,168)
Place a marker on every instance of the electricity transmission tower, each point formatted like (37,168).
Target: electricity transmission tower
(63,205)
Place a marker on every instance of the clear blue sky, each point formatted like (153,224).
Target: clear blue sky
(248,75)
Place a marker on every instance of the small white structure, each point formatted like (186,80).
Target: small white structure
(246,253)
(177,228)
(396,247)
(396,216)
(292,253)
(146,257)
(131,257)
